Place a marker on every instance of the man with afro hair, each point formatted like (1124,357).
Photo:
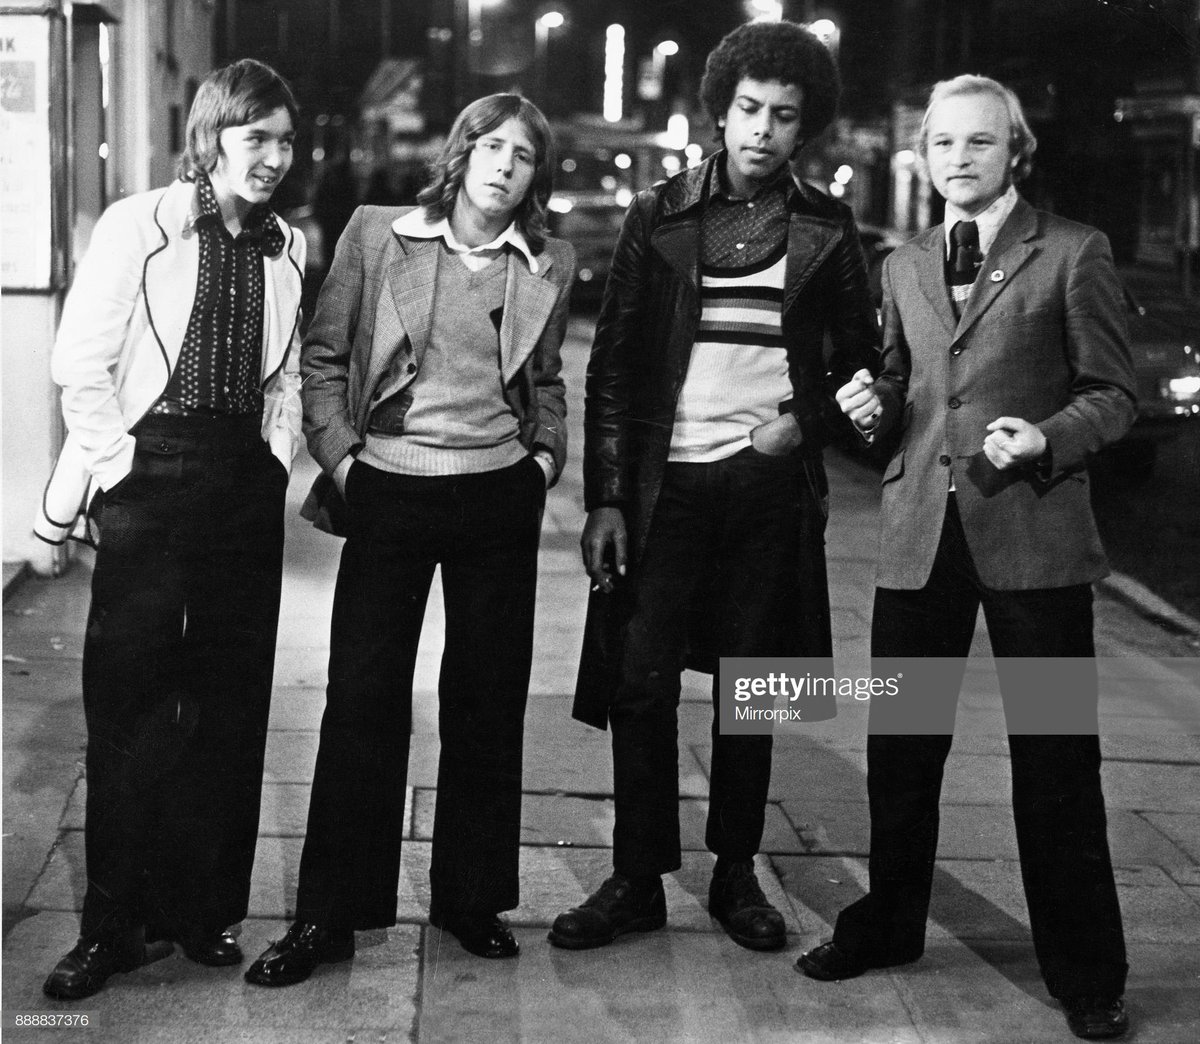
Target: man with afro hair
(709,398)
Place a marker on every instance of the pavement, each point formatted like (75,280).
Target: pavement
(978,981)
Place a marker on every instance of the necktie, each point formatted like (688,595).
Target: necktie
(964,253)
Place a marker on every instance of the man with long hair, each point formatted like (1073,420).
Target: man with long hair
(434,405)
(177,355)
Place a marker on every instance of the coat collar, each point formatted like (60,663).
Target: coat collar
(811,237)
(418,223)
(1009,252)
(172,267)
(529,295)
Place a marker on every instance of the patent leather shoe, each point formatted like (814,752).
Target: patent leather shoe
(1095,1017)
(620,905)
(86,969)
(215,949)
(737,902)
(484,935)
(294,957)
(830,963)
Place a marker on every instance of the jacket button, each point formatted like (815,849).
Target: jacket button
(944,461)
(412,367)
(954,404)
(164,447)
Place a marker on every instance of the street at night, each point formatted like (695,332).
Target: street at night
(276,270)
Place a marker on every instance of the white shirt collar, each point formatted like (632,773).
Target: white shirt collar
(416,224)
(989,221)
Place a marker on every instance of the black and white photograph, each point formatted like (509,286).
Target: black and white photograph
(600,521)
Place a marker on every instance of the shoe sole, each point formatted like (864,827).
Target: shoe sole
(567,942)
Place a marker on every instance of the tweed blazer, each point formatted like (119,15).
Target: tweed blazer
(1042,337)
(374,317)
(121,334)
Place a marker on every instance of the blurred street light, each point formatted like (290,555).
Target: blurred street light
(828,32)
(667,48)
(765,10)
(541,43)
(614,73)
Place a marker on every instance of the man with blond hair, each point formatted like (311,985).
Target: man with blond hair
(1005,366)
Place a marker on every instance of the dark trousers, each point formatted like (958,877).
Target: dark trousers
(726,532)
(177,666)
(483,529)
(1058,806)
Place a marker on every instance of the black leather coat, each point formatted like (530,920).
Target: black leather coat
(643,341)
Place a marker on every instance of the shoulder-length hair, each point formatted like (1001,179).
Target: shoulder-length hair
(479,118)
(231,97)
(1021,141)
(782,51)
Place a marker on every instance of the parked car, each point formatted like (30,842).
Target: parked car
(590,222)
(1164,337)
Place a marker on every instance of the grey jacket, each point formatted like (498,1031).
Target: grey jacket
(373,318)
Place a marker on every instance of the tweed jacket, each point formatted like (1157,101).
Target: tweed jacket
(374,317)
(121,334)
(1042,337)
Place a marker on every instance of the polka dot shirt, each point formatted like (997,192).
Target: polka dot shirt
(735,233)
(220,362)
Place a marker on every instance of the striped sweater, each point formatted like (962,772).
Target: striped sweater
(738,371)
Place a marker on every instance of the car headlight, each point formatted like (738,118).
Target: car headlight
(1180,389)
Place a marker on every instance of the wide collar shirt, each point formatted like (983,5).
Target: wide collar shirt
(416,224)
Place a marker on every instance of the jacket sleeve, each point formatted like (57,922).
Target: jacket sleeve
(551,431)
(615,348)
(285,436)
(853,337)
(91,336)
(1103,400)
(891,385)
(325,356)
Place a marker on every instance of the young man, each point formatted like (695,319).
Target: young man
(707,408)
(1006,364)
(177,358)
(433,400)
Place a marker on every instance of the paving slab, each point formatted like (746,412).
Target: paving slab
(587,822)
(375,992)
(666,986)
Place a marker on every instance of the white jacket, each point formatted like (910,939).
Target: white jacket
(121,333)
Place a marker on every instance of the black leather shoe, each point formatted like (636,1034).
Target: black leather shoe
(738,903)
(89,965)
(215,949)
(829,963)
(294,958)
(618,906)
(1096,1018)
(484,935)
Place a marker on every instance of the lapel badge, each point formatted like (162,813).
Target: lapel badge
(997,275)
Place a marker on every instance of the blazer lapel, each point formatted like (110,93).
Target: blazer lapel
(678,243)
(1008,254)
(931,276)
(809,243)
(411,276)
(282,282)
(528,302)
(171,271)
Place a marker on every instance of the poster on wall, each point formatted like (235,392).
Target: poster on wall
(25,177)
